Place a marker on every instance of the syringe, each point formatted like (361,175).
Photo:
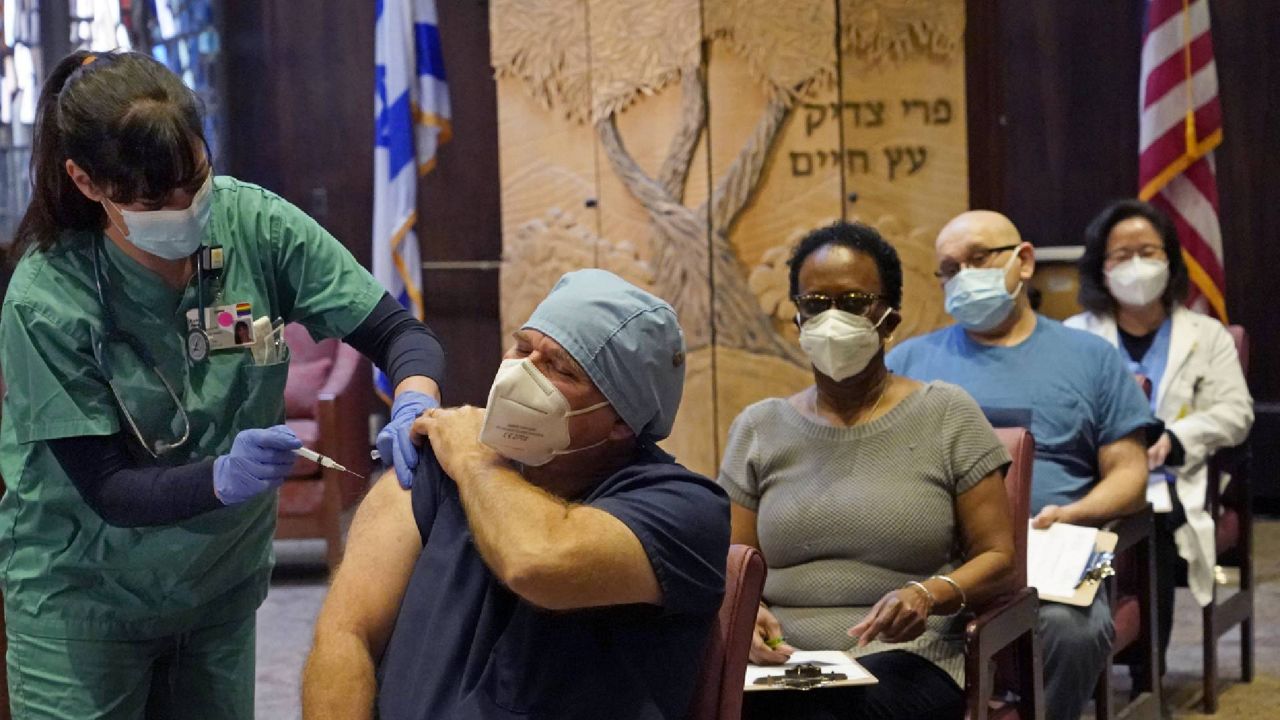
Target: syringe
(323,461)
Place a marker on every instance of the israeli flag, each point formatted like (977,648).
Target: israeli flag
(411,121)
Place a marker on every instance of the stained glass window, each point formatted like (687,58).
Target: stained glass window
(19,87)
(182,34)
(96,24)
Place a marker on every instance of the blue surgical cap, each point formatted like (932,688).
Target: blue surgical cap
(626,339)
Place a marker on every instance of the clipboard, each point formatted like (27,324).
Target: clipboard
(1085,592)
(829,661)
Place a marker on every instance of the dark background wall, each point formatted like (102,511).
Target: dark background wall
(300,109)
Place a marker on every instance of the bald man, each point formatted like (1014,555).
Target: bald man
(1089,417)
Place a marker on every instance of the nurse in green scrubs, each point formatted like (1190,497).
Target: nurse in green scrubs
(141,444)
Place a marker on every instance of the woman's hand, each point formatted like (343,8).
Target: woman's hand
(1158,451)
(768,630)
(398,442)
(899,616)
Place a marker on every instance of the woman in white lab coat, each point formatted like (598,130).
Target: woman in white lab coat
(1133,279)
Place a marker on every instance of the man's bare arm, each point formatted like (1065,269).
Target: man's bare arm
(360,610)
(1121,488)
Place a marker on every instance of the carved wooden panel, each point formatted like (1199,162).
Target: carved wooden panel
(765,61)
(649,110)
(903,117)
(549,223)
(711,135)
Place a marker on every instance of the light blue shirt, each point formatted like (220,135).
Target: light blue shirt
(1070,387)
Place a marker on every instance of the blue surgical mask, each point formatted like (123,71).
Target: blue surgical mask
(977,297)
(169,234)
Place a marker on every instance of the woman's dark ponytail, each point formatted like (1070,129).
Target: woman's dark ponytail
(127,121)
(52,192)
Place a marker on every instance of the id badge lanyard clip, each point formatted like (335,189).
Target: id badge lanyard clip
(208,260)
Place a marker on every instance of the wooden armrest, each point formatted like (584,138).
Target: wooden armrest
(1000,627)
(1230,459)
(1132,529)
(997,628)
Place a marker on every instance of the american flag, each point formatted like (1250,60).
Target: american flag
(1181,124)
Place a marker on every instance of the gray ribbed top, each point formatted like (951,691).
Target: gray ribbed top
(844,515)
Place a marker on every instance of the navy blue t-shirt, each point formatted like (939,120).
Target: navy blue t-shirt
(465,647)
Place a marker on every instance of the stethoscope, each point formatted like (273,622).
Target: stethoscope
(112,332)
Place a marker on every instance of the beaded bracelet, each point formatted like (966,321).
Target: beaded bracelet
(964,599)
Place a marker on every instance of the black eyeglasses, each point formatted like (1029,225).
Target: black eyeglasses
(854,302)
(979,257)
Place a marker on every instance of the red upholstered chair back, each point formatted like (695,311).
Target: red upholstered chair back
(327,401)
(309,367)
(718,695)
(1017,485)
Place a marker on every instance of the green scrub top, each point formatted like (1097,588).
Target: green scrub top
(68,574)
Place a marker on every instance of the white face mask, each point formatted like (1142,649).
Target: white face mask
(169,234)
(527,417)
(840,344)
(1138,281)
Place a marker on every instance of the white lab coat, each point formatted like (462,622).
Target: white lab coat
(1204,401)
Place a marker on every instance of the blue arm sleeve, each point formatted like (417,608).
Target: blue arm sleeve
(398,343)
(125,495)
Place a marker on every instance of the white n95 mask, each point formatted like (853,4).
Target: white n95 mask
(527,417)
(840,344)
(1138,281)
(169,234)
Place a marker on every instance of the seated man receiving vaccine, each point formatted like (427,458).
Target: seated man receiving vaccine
(549,561)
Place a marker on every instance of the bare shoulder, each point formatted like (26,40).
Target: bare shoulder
(385,512)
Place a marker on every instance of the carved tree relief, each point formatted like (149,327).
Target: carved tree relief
(782,42)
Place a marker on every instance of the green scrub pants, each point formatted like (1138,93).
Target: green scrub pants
(205,674)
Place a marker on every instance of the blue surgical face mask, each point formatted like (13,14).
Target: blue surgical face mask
(169,234)
(977,297)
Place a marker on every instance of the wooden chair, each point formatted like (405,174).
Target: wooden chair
(1003,641)
(327,400)
(1133,611)
(1233,524)
(718,694)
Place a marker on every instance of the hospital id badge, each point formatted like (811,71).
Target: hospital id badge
(228,327)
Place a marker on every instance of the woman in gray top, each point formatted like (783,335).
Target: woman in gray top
(877,501)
